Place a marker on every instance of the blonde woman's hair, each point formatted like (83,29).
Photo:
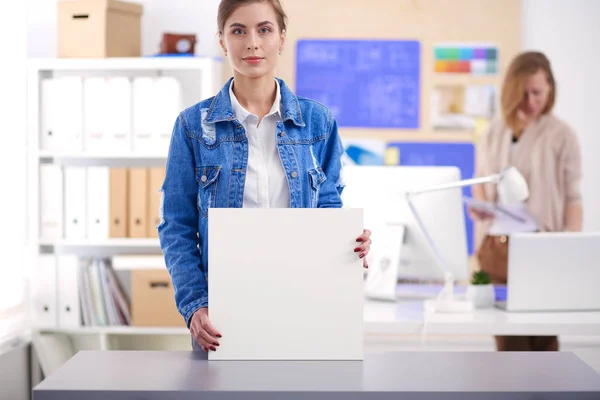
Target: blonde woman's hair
(513,88)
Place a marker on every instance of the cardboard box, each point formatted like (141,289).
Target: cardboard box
(153,299)
(98,29)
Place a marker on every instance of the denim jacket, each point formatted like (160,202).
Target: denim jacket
(206,167)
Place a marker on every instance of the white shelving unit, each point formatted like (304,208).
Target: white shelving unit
(200,78)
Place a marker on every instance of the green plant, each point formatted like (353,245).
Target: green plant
(480,278)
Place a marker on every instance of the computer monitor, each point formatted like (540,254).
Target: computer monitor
(381,192)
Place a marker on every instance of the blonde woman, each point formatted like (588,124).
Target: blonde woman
(546,151)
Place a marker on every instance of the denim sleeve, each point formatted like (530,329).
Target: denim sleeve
(331,188)
(178,227)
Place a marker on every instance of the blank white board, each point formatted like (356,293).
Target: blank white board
(285,284)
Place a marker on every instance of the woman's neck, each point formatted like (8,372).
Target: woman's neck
(256,95)
(526,122)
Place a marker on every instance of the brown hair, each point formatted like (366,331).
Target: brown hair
(523,66)
(227,7)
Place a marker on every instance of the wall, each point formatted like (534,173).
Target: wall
(12,171)
(568,32)
(431,22)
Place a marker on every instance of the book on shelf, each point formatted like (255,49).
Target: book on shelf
(103,300)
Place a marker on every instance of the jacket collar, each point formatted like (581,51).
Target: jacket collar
(220,109)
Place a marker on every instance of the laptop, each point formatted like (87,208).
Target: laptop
(555,271)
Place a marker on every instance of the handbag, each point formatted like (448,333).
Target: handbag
(493,258)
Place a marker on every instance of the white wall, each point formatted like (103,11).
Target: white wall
(174,16)
(12,164)
(568,32)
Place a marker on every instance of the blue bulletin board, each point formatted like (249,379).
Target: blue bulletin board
(461,155)
(365,83)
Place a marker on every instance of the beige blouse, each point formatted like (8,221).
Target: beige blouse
(548,156)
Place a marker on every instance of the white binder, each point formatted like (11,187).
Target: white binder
(168,105)
(69,104)
(143,114)
(69,310)
(43,312)
(49,136)
(51,201)
(75,202)
(118,111)
(98,200)
(95,116)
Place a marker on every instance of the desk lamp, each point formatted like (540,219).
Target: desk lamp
(512,188)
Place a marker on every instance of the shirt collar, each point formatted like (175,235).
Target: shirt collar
(240,113)
(220,109)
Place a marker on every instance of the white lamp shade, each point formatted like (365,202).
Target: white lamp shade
(512,187)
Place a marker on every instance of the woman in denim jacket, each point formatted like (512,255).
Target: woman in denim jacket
(255,144)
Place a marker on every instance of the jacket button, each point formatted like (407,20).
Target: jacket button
(204,178)
(294,174)
(282,134)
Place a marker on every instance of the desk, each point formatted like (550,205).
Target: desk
(407,317)
(405,326)
(150,375)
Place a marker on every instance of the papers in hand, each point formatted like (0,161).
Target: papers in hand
(506,219)
(493,209)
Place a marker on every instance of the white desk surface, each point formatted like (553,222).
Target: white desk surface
(407,316)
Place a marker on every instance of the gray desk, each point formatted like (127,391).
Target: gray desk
(152,375)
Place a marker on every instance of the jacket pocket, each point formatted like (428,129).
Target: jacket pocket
(317,177)
(208,182)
